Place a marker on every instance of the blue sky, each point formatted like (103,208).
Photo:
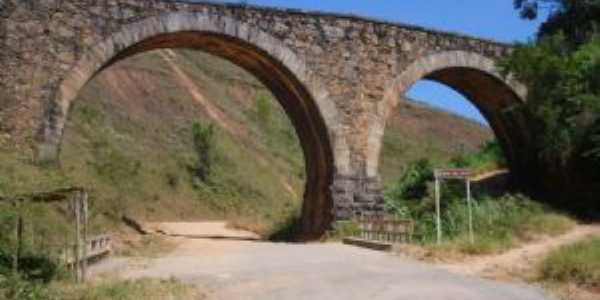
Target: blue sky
(493,19)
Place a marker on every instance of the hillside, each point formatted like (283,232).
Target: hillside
(417,131)
(129,138)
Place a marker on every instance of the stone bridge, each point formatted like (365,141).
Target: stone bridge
(338,77)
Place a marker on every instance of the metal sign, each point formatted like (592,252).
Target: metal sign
(441,174)
(452,173)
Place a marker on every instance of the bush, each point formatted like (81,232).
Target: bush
(17,288)
(499,223)
(204,144)
(578,263)
(563,100)
(411,186)
(489,157)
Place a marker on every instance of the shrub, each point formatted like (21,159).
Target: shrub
(489,157)
(204,145)
(412,184)
(17,288)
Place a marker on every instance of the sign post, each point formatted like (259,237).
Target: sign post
(438,219)
(463,174)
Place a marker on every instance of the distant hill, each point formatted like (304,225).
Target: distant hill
(417,130)
(129,138)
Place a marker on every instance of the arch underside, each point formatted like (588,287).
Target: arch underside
(499,99)
(300,106)
(495,100)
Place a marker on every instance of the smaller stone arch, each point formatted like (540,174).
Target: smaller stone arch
(306,102)
(476,77)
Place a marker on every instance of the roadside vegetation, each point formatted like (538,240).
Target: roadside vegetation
(15,288)
(578,264)
(560,69)
(499,222)
(488,158)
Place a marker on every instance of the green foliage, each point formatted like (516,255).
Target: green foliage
(577,263)
(577,19)
(17,288)
(499,223)
(563,95)
(413,183)
(489,157)
(592,148)
(204,145)
(21,176)
(115,167)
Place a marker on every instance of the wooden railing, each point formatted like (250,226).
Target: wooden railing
(386,229)
(95,247)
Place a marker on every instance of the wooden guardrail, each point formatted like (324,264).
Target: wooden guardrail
(95,247)
(386,229)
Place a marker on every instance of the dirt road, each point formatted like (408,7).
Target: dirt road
(241,269)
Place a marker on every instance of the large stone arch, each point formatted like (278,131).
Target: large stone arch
(314,116)
(476,77)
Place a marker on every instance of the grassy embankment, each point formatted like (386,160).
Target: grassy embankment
(577,264)
(499,223)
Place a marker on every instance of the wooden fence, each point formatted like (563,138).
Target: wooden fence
(74,254)
(386,229)
(95,247)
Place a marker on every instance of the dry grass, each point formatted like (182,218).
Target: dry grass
(115,289)
(151,245)
(578,264)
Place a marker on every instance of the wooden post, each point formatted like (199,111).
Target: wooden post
(15,260)
(438,219)
(84,215)
(18,236)
(77,250)
(471,237)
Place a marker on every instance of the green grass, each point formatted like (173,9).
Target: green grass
(499,224)
(99,289)
(578,263)
(488,158)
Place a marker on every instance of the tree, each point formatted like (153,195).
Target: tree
(576,19)
(563,94)
(203,139)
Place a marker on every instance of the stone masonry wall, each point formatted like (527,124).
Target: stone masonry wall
(355,59)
